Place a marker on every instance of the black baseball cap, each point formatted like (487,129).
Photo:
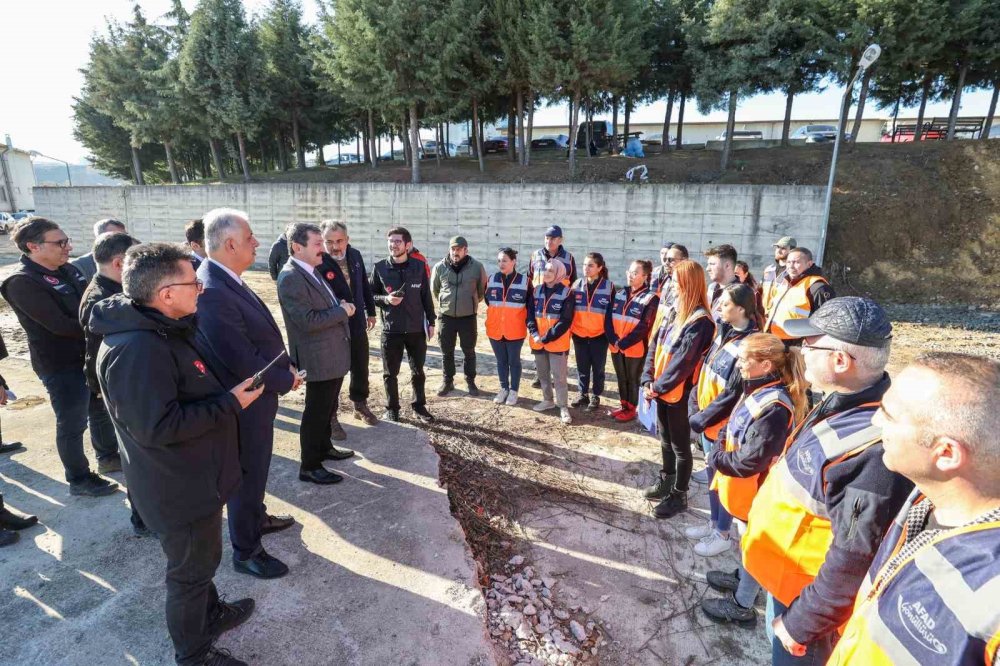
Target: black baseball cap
(858,321)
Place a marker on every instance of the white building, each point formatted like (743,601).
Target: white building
(17,177)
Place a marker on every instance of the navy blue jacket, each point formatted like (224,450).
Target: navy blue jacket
(360,291)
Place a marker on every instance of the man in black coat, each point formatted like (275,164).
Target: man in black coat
(179,436)
(343,267)
(277,257)
(45,293)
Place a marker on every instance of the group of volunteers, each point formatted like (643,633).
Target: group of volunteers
(867,511)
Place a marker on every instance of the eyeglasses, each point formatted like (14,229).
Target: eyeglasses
(809,347)
(61,243)
(672,260)
(197,284)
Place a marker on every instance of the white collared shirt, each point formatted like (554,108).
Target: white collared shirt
(311,271)
(233,275)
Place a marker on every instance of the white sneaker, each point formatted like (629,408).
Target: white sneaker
(565,416)
(701,476)
(512,398)
(501,396)
(544,406)
(698,532)
(713,544)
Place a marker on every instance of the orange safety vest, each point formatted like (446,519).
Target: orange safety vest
(507,308)
(588,317)
(768,285)
(737,493)
(790,302)
(937,606)
(538,261)
(547,313)
(667,341)
(788,528)
(720,364)
(626,315)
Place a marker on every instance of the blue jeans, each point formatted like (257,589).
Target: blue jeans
(817,652)
(720,517)
(74,406)
(508,354)
(746,593)
(591,357)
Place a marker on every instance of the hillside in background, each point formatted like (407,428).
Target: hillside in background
(49,174)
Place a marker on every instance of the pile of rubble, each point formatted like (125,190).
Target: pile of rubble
(528,623)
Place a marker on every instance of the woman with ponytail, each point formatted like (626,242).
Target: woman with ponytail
(672,365)
(774,400)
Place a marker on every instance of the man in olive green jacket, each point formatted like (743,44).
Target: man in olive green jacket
(458,283)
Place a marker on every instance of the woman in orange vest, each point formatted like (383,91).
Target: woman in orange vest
(593,295)
(672,367)
(719,389)
(627,329)
(508,300)
(774,399)
(549,323)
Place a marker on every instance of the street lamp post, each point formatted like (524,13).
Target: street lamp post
(868,58)
(35,153)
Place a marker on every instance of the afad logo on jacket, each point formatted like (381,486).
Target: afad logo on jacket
(199,366)
(919,624)
(51,279)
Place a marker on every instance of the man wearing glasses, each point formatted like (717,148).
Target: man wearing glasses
(45,293)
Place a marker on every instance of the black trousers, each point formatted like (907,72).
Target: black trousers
(629,372)
(393,346)
(675,441)
(358,388)
(591,357)
(466,330)
(193,554)
(314,431)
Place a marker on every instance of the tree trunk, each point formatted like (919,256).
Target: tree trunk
(263,155)
(573,133)
(862,96)
(414,142)
(520,126)
(407,146)
(357,144)
(614,115)
(300,150)
(919,131)
(993,109)
(217,158)
(574,110)
(895,114)
(680,122)
(477,136)
(531,127)
(787,124)
(845,110)
(589,119)
(628,121)
(320,157)
(665,138)
(174,177)
(282,155)
(137,166)
(956,101)
(369,135)
(440,144)
(511,131)
(243,156)
(730,126)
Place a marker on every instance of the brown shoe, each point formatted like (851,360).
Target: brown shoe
(337,433)
(362,413)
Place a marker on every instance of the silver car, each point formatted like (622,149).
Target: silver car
(818,133)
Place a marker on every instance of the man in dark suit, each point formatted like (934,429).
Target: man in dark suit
(343,268)
(319,341)
(245,338)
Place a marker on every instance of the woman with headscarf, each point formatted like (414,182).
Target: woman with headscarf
(549,325)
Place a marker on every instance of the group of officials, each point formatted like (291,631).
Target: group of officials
(867,513)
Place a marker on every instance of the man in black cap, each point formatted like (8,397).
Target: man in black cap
(458,283)
(819,517)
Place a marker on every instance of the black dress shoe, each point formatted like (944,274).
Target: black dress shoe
(322,476)
(423,414)
(261,565)
(338,454)
(273,524)
(226,616)
(724,581)
(13,522)
(726,610)
(221,657)
(10,447)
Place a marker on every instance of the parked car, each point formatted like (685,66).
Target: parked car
(656,139)
(345,158)
(496,144)
(742,135)
(431,149)
(818,134)
(550,142)
(6,222)
(463,148)
(21,214)
(602,135)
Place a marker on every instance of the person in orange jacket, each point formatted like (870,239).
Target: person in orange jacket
(627,330)
(593,295)
(508,301)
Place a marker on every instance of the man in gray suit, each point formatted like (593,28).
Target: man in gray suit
(86,263)
(319,342)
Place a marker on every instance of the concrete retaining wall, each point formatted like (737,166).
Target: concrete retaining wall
(623,222)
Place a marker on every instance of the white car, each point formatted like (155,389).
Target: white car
(818,133)
(6,222)
(431,149)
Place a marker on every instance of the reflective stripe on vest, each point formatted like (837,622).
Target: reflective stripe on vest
(768,284)
(538,261)
(720,364)
(790,303)
(939,606)
(737,494)
(788,529)
(626,315)
(667,342)
(507,308)
(547,313)
(588,317)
